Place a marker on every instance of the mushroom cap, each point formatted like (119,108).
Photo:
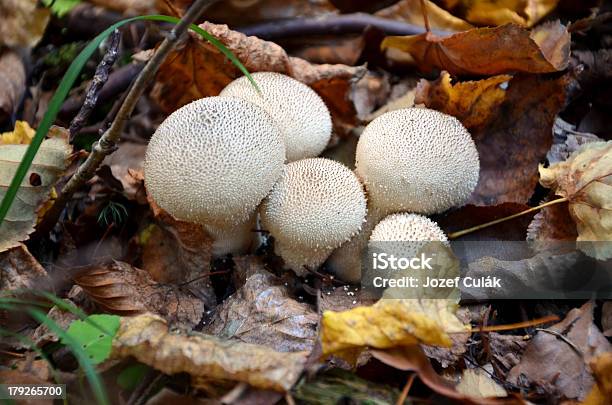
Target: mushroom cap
(212,161)
(299,112)
(417,160)
(406,227)
(317,205)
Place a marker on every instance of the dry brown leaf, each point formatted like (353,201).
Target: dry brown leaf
(489,51)
(506,351)
(390,323)
(411,358)
(477,383)
(147,338)
(43,335)
(516,139)
(12,83)
(602,371)
(471,102)
(121,289)
(131,7)
(126,165)
(554,365)
(552,223)
(23,22)
(20,270)
(586,180)
(199,70)
(178,252)
(449,356)
(498,12)
(410,11)
(344,298)
(262,312)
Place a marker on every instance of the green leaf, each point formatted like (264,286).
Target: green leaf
(96,343)
(66,84)
(61,7)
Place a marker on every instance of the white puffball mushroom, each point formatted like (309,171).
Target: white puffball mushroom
(417,160)
(317,205)
(212,162)
(406,227)
(299,112)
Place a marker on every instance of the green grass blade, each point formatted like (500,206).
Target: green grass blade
(68,81)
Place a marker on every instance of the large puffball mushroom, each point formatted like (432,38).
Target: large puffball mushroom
(299,112)
(212,162)
(317,205)
(417,160)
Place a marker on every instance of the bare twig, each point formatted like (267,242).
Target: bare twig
(334,24)
(99,79)
(107,143)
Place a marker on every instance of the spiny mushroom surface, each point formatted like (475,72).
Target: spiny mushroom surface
(212,162)
(299,112)
(316,206)
(406,227)
(417,160)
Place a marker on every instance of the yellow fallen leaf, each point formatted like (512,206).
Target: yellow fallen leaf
(498,12)
(50,161)
(390,323)
(147,338)
(476,383)
(21,135)
(411,11)
(602,371)
(585,179)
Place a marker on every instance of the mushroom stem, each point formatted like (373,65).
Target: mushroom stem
(237,239)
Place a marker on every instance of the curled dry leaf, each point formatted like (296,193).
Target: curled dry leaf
(489,51)
(20,270)
(261,312)
(411,11)
(12,83)
(147,338)
(471,102)
(586,180)
(121,289)
(200,70)
(602,371)
(50,162)
(390,323)
(23,22)
(568,376)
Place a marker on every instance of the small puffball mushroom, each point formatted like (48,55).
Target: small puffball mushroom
(212,162)
(407,228)
(299,112)
(417,160)
(317,205)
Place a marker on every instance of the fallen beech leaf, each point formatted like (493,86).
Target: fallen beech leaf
(23,22)
(199,70)
(586,180)
(121,289)
(477,383)
(125,164)
(410,11)
(411,358)
(390,323)
(20,270)
(602,371)
(262,312)
(178,252)
(147,338)
(489,51)
(51,160)
(498,12)
(12,83)
(553,365)
(471,102)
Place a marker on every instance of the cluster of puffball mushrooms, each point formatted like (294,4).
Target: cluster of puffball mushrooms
(247,159)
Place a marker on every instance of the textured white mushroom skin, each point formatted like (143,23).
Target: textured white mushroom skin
(235,239)
(417,160)
(212,161)
(317,205)
(299,112)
